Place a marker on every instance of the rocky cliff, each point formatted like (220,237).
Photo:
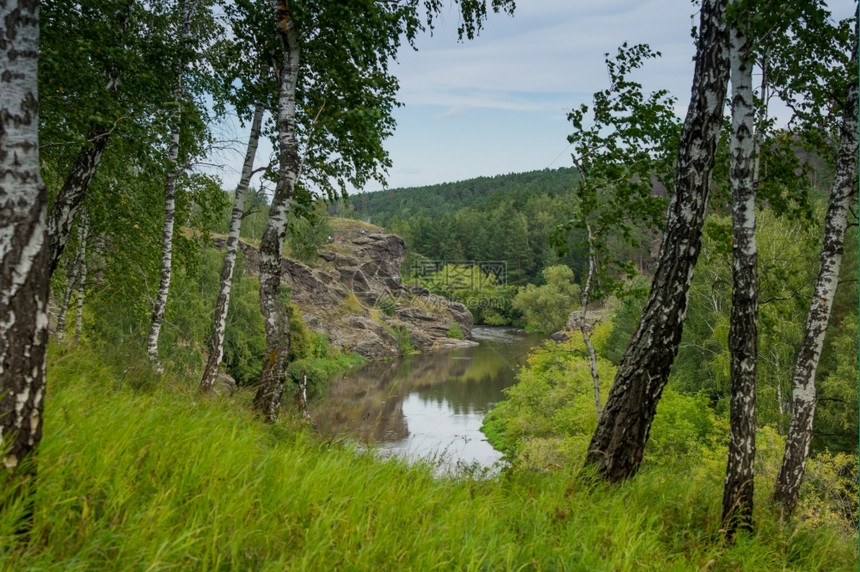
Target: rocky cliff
(354,294)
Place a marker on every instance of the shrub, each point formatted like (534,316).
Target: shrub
(546,308)
(456,332)
(386,304)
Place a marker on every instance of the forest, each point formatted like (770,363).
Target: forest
(164,340)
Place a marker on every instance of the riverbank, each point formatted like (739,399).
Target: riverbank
(146,475)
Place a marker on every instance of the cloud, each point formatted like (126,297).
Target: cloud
(453,113)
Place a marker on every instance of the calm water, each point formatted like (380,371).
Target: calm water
(430,404)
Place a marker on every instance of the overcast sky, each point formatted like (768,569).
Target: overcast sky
(498,104)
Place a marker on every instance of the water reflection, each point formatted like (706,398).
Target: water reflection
(430,404)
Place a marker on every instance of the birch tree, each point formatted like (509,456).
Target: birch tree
(188,7)
(743,323)
(23,245)
(804,397)
(623,152)
(216,346)
(85,164)
(76,278)
(335,100)
(618,444)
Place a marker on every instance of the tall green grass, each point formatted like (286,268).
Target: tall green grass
(143,477)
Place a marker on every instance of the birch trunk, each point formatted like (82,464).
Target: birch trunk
(743,325)
(618,443)
(81,275)
(23,244)
(583,325)
(173,173)
(83,169)
(72,280)
(842,195)
(275,318)
(72,194)
(67,297)
(216,348)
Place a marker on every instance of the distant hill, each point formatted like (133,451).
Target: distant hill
(482,193)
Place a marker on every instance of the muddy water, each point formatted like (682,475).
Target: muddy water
(429,405)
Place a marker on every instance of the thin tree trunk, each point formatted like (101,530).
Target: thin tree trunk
(67,297)
(216,348)
(618,444)
(83,169)
(843,193)
(743,325)
(173,173)
(72,193)
(72,279)
(583,325)
(23,251)
(275,318)
(81,275)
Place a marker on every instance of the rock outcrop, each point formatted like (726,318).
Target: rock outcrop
(356,297)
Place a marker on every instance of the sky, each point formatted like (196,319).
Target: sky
(498,104)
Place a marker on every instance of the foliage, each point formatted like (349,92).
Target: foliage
(546,308)
(256,215)
(502,219)
(787,262)
(624,148)
(403,337)
(547,418)
(309,229)
(117,491)
(830,491)
(455,332)
(836,416)
(488,298)
(301,338)
(386,304)
(625,319)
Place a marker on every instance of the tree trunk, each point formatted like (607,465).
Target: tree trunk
(72,279)
(173,173)
(743,325)
(216,348)
(268,398)
(618,443)
(583,325)
(23,248)
(843,193)
(72,193)
(83,169)
(81,274)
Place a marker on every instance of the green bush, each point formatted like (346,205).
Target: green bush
(455,332)
(386,304)
(546,308)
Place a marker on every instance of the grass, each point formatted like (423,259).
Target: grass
(162,478)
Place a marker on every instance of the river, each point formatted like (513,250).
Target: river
(429,405)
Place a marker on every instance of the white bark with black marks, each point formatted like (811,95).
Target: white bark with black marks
(618,444)
(73,277)
(23,240)
(267,400)
(842,195)
(583,324)
(173,173)
(743,324)
(81,275)
(216,347)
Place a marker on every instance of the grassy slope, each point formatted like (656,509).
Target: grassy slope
(156,479)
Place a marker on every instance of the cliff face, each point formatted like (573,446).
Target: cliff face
(356,296)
